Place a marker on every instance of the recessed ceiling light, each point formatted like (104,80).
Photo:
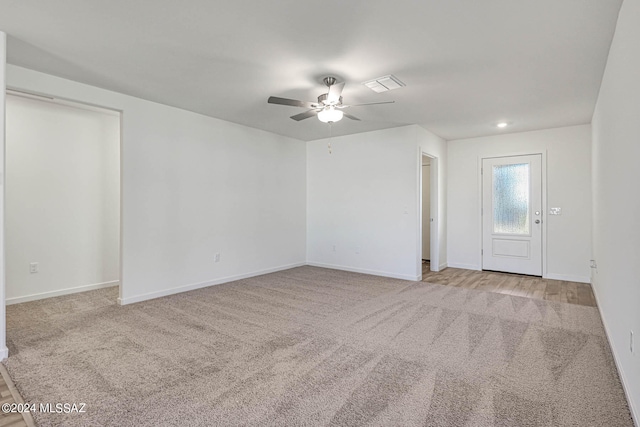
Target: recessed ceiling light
(502,125)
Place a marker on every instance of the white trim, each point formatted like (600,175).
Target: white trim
(194,286)
(634,411)
(442,266)
(480,183)
(121,218)
(365,271)
(545,222)
(419,214)
(464,266)
(567,277)
(43,295)
(4,352)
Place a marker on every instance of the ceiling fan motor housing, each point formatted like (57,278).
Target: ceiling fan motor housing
(322,100)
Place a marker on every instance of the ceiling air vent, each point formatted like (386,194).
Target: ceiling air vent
(384,83)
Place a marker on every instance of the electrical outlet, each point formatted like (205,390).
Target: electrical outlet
(593,264)
(216,258)
(33,267)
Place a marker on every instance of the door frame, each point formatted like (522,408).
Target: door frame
(543,155)
(434,264)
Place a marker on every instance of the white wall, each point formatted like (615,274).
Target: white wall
(4,352)
(364,200)
(568,181)
(194,186)
(616,198)
(62,198)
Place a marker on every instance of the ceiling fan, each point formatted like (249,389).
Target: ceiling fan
(329,107)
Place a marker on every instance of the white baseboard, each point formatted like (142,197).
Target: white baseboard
(464,266)
(4,353)
(634,411)
(194,286)
(438,267)
(568,277)
(35,297)
(365,271)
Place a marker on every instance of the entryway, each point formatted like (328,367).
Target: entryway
(512,214)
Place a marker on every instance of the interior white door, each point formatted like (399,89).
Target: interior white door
(512,214)
(426,212)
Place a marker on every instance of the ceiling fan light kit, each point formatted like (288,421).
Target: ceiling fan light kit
(330,115)
(329,107)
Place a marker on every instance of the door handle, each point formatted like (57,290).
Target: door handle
(537,221)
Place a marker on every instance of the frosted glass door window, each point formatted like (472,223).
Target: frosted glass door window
(511,199)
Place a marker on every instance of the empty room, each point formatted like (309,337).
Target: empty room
(340,213)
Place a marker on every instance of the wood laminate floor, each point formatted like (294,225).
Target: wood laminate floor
(512,284)
(9,394)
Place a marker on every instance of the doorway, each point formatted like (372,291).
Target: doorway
(428,216)
(512,214)
(62,198)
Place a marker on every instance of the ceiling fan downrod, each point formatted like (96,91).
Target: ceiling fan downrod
(329,81)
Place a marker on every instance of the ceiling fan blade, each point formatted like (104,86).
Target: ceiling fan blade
(305,115)
(290,102)
(366,103)
(349,116)
(335,90)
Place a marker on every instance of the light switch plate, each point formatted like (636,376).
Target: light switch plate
(555,211)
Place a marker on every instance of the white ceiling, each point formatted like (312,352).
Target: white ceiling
(467,64)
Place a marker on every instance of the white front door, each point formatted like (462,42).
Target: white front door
(512,214)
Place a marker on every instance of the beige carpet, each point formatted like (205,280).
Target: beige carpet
(311,346)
